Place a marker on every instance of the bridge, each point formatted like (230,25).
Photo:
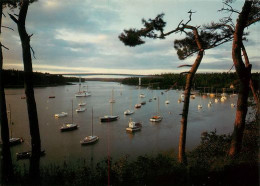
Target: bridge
(108,74)
(104,74)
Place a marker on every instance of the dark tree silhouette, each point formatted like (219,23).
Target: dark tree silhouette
(29,91)
(195,42)
(249,15)
(6,160)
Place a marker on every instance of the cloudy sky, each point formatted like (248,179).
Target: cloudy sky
(75,36)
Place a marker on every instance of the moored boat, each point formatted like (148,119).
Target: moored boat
(156,118)
(80,109)
(27,155)
(128,112)
(90,139)
(134,126)
(63,114)
(68,127)
(108,118)
(138,105)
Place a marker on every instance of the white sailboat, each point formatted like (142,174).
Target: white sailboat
(156,118)
(82,93)
(129,111)
(109,118)
(69,126)
(12,140)
(90,139)
(167,99)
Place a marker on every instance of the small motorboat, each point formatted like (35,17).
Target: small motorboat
(63,114)
(199,106)
(128,112)
(133,126)
(142,96)
(156,118)
(167,102)
(216,100)
(27,155)
(138,105)
(179,100)
(89,140)
(108,118)
(82,104)
(143,102)
(223,98)
(112,101)
(51,96)
(80,109)
(68,127)
(82,94)
(15,141)
(192,96)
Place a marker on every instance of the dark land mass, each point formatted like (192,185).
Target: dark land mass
(15,79)
(211,82)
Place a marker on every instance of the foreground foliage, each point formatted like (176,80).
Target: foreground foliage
(208,164)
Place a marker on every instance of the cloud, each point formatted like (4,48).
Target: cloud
(83,35)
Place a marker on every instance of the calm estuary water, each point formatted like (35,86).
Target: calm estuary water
(153,138)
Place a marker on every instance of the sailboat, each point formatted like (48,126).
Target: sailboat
(82,93)
(156,118)
(138,105)
(90,139)
(133,126)
(112,100)
(13,141)
(129,111)
(108,118)
(167,99)
(69,126)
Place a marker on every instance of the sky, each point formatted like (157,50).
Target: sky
(81,36)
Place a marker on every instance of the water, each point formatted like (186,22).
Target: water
(113,138)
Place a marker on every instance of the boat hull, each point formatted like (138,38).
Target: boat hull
(88,142)
(68,128)
(134,129)
(108,119)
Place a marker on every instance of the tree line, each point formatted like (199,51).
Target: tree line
(15,78)
(211,81)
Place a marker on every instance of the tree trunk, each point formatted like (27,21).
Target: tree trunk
(29,91)
(189,82)
(6,160)
(244,74)
(251,84)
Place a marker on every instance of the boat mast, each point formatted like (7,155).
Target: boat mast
(72,111)
(92,123)
(11,132)
(79,83)
(158,105)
